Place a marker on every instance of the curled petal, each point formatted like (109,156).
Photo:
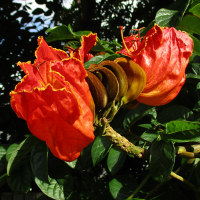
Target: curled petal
(86,44)
(54,99)
(48,53)
(164,55)
(74,72)
(55,116)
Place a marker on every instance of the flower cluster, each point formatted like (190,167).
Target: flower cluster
(54,97)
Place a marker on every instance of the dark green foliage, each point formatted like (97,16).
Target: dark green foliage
(103,171)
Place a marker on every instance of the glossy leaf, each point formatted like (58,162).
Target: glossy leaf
(99,149)
(84,161)
(115,160)
(197,106)
(103,46)
(77,34)
(73,44)
(186,24)
(21,180)
(198,86)
(182,131)
(172,17)
(150,137)
(195,10)
(162,158)
(166,17)
(196,48)
(194,76)
(195,67)
(175,112)
(39,161)
(10,150)
(52,189)
(100,58)
(72,164)
(20,153)
(58,33)
(122,187)
(139,112)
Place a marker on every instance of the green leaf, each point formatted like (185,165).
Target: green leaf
(175,112)
(166,17)
(20,181)
(39,161)
(195,10)
(194,76)
(99,149)
(73,44)
(72,164)
(122,187)
(171,17)
(197,106)
(84,161)
(162,158)
(195,67)
(20,153)
(59,33)
(52,188)
(100,58)
(78,34)
(115,160)
(190,23)
(3,161)
(10,150)
(139,112)
(150,137)
(182,131)
(198,86)
(103,46)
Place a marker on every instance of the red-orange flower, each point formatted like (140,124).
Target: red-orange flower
(82,53)
(163,54)
(54,99)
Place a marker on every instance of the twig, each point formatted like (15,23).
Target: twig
(180,178)
(121,141)
(195,153)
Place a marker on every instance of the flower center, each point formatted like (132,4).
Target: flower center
(131,43)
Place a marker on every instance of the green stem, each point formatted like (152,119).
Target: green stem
(180,178)
(121,141)
(194,153)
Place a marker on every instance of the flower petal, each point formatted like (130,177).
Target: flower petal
(74,72)
(55,103)
(165,65)
(86,44)
(48,53)
(55,116)
(163,54)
